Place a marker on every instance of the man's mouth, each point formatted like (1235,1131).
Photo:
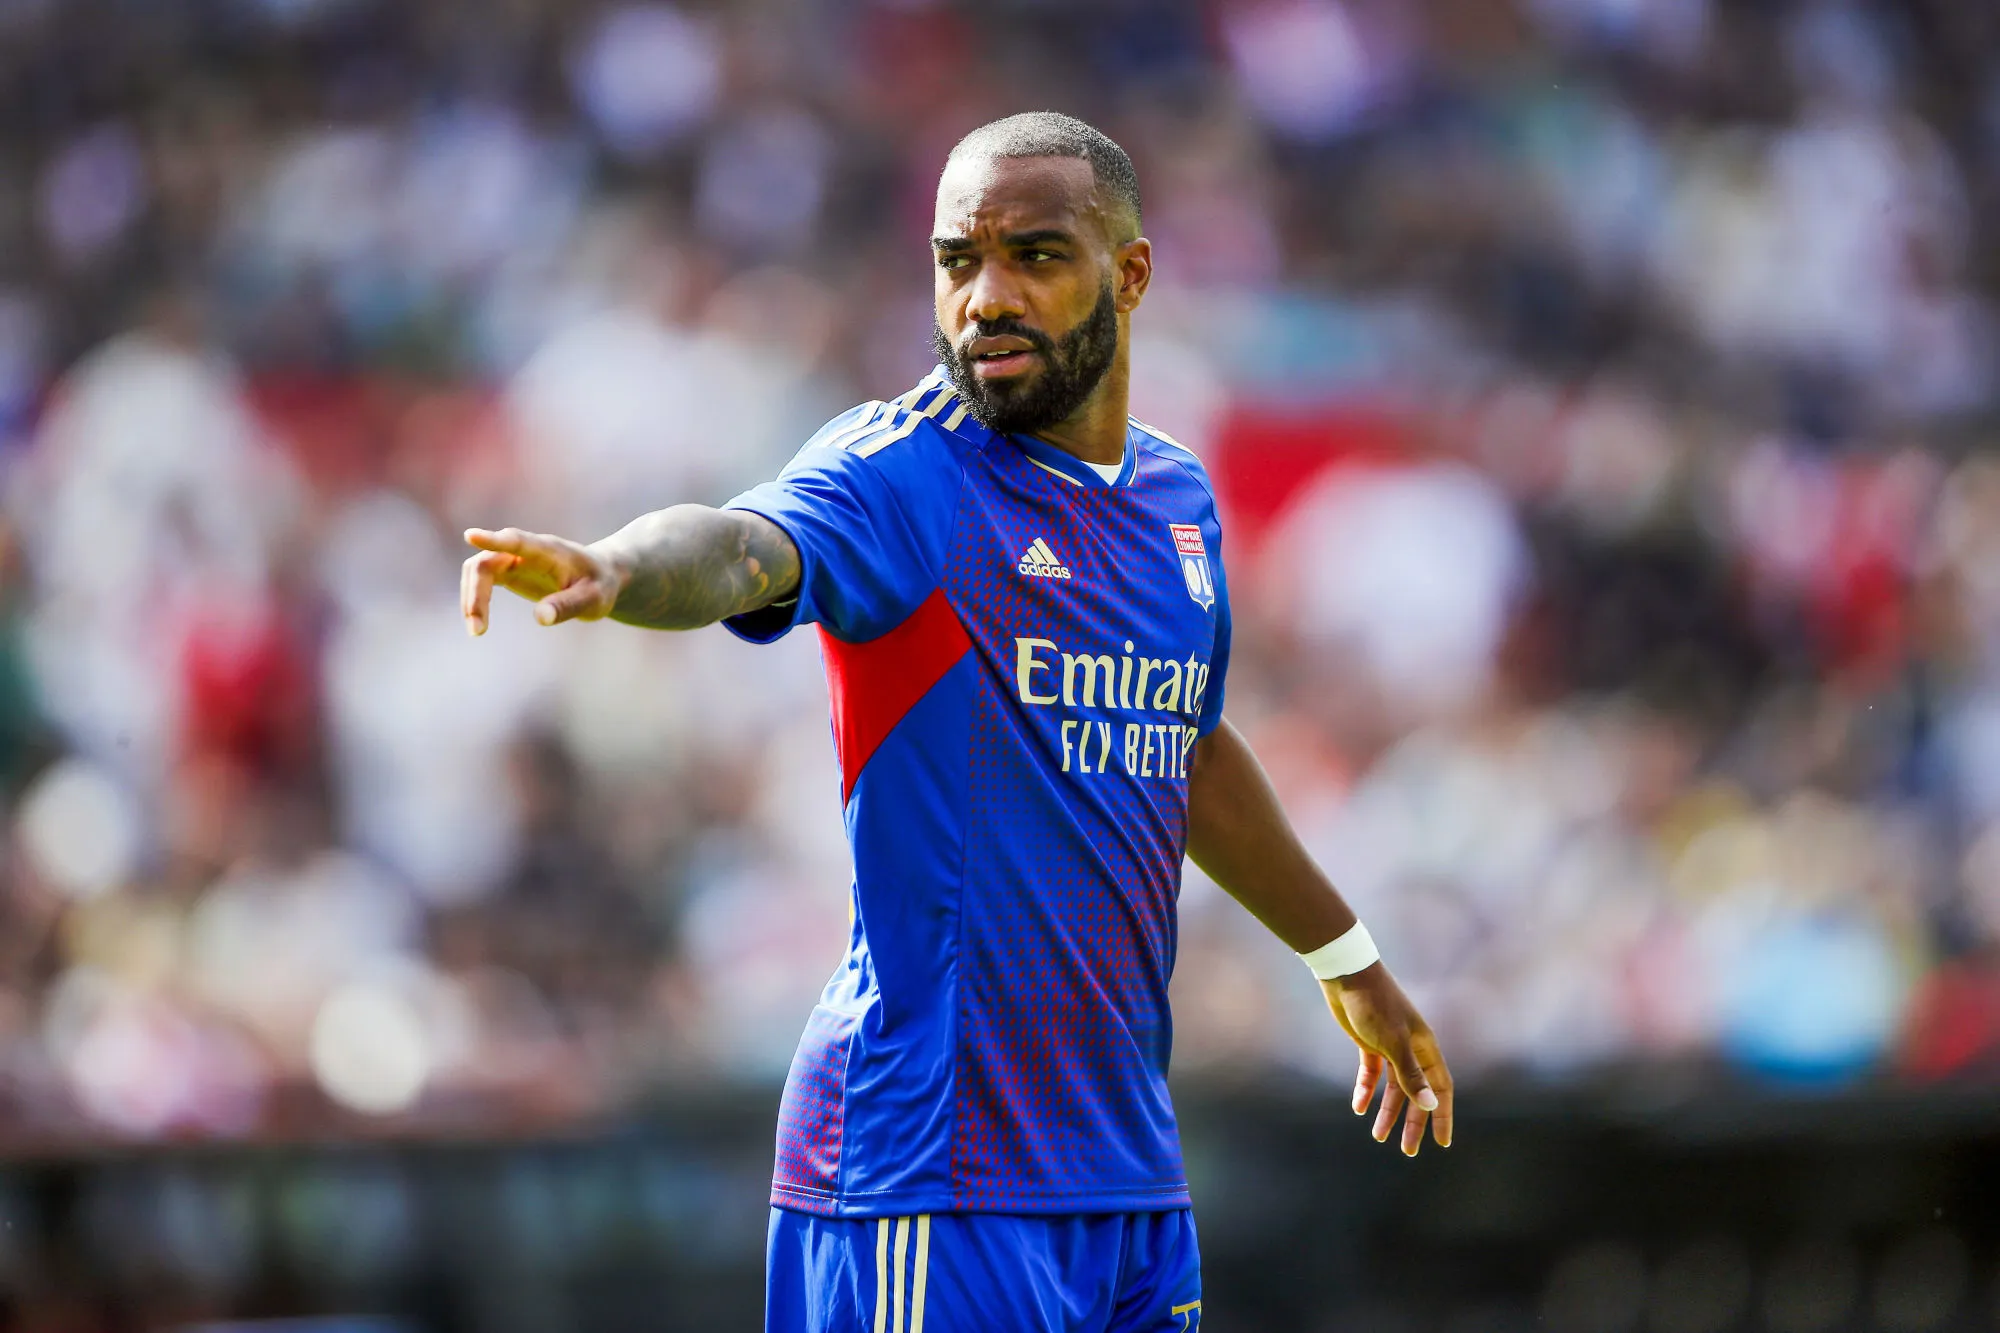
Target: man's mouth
(995,365)
(997,358)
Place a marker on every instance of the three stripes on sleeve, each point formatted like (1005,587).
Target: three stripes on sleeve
(878,427)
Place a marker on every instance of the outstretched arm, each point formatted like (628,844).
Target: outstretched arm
(1238,834)
(678,568)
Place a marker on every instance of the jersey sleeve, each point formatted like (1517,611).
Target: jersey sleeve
(1218,662)
(1209,717)
(866,526)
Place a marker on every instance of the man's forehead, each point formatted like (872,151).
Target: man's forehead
(1015,193)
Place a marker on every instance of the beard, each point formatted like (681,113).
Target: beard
(1072,368)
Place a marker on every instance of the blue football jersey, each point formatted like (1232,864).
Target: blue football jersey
(1020,657)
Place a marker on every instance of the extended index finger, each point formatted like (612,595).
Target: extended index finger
(507,541)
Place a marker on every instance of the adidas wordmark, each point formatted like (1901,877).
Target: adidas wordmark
(1038,561)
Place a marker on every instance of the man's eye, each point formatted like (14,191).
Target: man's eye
(949,262)
(1038,256)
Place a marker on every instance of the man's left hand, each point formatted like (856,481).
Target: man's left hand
(1394,1040)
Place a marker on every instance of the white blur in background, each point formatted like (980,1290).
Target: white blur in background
(1600,423)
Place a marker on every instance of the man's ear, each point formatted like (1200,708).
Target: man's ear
(1135,273)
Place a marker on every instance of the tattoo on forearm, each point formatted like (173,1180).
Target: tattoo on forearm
(691,566)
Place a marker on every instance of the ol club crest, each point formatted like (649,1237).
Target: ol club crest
(1193,556)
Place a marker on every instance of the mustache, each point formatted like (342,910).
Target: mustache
(1005,328)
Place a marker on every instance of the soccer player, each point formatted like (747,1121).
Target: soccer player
(1025,624)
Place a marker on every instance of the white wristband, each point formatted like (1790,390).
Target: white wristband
(1344,956)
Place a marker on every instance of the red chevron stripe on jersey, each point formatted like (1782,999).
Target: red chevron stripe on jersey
(874,685)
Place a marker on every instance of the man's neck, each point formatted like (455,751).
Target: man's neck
(1095,432)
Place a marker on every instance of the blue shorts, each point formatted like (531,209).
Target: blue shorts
(983,1273)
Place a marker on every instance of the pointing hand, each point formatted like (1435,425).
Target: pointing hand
(565,581)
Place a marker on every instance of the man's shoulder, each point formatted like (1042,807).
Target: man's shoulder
(916,436)
(1154,441)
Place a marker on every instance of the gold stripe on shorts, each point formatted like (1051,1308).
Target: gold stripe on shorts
(881,1272)
(923,1272)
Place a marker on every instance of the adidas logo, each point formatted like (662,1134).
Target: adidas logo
(1038,561)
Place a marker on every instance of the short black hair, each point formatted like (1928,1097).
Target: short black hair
(1052,134)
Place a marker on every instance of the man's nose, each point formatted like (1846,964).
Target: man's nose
(994,296)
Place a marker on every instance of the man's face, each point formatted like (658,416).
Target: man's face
(1028,288)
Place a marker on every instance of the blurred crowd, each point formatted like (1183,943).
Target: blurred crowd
(1602,393)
